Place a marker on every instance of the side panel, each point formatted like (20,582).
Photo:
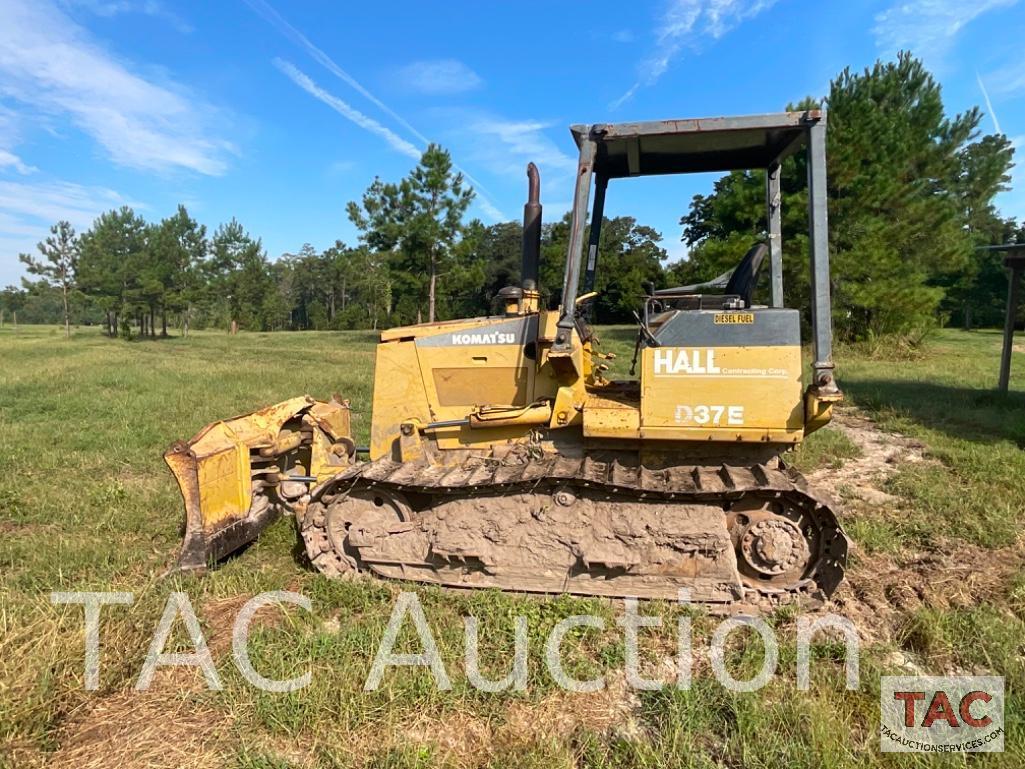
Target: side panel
(398,395)
(724,377)
(481,363)
(439,372)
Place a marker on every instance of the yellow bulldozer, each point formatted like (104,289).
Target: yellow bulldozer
(500,456)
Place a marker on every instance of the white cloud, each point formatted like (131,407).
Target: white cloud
(367,123)
(10,160)
(302,80)
(1009,80)
(341,167)
(928,27)
(506,146)
(439,78)
(28,209)
(989,103)
(50,64)
(297,37)
(49,202)
(278,22)
(501,147)
(688,24)
(13,228)
(489,210)
(110,8)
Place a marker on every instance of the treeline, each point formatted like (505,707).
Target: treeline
(133,278)
(416,260)
(911,194)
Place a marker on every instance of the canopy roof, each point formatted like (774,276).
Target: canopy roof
(1015,253)
(696,145)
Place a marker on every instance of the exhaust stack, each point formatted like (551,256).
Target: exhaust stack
(531,231)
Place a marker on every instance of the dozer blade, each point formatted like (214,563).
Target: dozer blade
(237,476)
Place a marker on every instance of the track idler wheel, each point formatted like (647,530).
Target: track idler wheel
(335,528)
(777,544)
(774,546)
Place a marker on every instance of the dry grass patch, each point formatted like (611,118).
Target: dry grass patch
(882,589)
(170,726)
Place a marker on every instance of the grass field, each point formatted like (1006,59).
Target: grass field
(86,503)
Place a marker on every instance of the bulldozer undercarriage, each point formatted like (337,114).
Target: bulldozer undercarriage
(732,537)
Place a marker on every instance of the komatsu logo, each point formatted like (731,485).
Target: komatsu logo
(495,337)
(669,361)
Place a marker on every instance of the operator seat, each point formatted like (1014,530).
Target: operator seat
(738,283)
(745,275)
(738,287)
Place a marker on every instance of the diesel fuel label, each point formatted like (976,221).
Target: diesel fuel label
(733,318)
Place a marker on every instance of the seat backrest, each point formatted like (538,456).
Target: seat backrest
(745,276)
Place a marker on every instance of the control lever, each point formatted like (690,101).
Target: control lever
(643,334)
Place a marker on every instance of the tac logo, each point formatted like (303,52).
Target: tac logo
(942,714)
(676,361)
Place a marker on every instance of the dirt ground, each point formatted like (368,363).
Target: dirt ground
(862,477)
(882,589)
(168,726)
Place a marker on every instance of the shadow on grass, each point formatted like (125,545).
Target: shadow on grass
(136,338)
(964,413)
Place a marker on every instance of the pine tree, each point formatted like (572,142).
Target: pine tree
(906,183)
(898,227)
(240,276)
(976,295)
(178,248)
(109,265)
(420,219)
(59,266)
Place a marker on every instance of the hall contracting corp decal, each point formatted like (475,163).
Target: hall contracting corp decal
(675,362)
(702,361)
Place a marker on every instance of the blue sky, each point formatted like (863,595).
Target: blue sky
(279,114)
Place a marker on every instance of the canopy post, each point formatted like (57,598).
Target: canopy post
(772,205)
(601,184)
(821,309)
(567,320)
(1013,289)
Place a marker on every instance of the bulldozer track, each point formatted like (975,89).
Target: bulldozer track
(481,477)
